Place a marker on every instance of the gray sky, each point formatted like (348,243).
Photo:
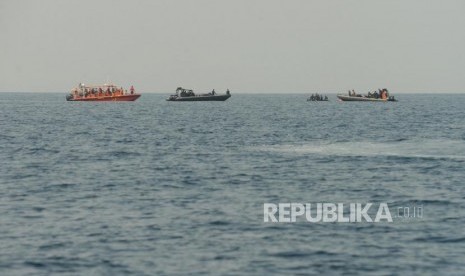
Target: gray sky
(253,46)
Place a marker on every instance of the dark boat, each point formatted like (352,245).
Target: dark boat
(187,95)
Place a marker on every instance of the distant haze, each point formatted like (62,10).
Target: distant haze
(249,46)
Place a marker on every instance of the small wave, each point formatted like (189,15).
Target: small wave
(301,254)
(431,202)
(452,219)
(223,257)
(440,239)
(64,185)
(120,154)
(219,223)
(453,240)
(426,149)
(38,209)
(35,264)
(153,228)
(291,254)
(52,246)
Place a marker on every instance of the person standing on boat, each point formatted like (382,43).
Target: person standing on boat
(385,94)
(213,92)
(132,89)
(227,91)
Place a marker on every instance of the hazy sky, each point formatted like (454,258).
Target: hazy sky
(244,45)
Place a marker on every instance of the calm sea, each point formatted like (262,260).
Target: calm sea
(164,188)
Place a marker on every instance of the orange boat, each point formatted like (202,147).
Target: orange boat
(103,93)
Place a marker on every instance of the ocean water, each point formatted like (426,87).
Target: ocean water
(169,188)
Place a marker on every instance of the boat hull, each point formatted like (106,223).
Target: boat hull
(199,98)
(121,98)
(360,99)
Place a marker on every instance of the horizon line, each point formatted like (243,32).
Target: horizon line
(249,92)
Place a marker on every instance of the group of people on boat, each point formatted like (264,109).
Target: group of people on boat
(99,91)
(352,93)
(185,92)
(190,93)
(214,93)
(380,94)
(317,97)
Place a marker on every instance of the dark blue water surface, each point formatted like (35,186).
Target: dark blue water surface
(160,188)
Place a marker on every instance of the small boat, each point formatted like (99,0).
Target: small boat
(188,95)
(101,93)
(383,96)
(317,98)
(364,99)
